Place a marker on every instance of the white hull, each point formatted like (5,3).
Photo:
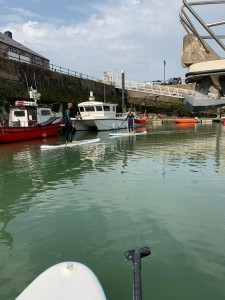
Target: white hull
(100,124)
(110,124)
(82,125)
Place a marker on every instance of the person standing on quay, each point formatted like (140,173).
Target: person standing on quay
(130,118)
(68,124)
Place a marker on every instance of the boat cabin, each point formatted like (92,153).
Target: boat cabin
(27,113)
(94,109)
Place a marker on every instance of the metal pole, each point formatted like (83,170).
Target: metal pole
(104,90)
(123,89)
(164,62)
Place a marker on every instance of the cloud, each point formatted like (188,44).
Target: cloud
(131,35)
(23,12)
(81,9)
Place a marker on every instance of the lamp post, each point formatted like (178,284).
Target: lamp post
(164,63)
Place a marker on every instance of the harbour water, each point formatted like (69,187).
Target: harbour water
(90,204)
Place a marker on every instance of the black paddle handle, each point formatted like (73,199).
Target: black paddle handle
(136,256)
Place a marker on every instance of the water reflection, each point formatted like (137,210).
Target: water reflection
(109,195)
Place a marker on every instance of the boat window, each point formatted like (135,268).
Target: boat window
(98,108)
(45,112)
(81,109)
(106,108)
(89,108)
(19,113)
(114,108)
(32,115)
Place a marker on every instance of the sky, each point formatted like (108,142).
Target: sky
(89,36)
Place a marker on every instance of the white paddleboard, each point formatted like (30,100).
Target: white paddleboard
(69,145)
(65,281)
(118,134)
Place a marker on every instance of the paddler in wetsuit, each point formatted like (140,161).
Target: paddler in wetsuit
(130,118)
(68,124)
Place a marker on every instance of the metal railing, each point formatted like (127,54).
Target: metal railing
(158,90)
(190,28)
(72,73)
(52,67)
(146,87)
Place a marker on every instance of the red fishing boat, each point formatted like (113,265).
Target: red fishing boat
(29,120)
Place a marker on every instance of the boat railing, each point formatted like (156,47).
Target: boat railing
(119,115)
(20,123)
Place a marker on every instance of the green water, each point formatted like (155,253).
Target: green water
(91,204)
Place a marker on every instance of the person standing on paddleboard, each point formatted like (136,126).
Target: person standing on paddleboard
(68,124)
(130,118)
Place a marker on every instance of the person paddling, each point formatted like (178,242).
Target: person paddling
(68,124)
(130,118)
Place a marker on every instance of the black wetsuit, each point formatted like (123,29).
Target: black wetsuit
(130,118)
(68,125)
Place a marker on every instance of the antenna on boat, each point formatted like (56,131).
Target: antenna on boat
(34,94)
(91,97)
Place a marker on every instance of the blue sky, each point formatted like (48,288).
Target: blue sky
(106,35)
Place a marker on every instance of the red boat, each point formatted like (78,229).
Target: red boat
(28,120)
(190,121)
(140,120)
(222,120)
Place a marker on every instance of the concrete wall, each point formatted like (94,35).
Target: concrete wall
(53,86)
(58,87)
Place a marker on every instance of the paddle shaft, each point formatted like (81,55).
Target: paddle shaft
(122,123)
(136,255)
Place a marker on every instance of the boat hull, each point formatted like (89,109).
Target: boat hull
(140,121)
(186,121)
(13,134)
(100,124)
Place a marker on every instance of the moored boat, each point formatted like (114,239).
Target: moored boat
(140,120)
(222,120)
(29,120)
(99,116)
(187,120)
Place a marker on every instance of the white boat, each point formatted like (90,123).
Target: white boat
(94,115)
